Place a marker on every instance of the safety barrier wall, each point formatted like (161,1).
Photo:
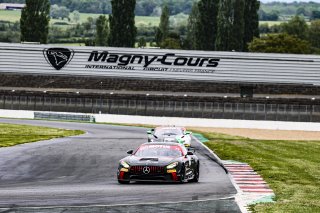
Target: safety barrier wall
(194,122)
(136,63)
(217,109)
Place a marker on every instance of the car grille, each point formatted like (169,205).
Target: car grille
(154,170)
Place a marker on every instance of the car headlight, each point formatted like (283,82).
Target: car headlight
(172,165)
(124,164)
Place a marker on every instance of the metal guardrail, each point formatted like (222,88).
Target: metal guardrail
(215,110)
(67,117)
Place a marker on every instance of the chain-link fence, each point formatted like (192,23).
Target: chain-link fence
(217,110)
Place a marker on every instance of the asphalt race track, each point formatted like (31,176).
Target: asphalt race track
(78,174)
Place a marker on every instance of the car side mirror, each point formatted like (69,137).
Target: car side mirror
(130,152)
(188,133)
(190,153)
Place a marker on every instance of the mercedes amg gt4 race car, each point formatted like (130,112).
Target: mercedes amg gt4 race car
(170,134)
(170,162)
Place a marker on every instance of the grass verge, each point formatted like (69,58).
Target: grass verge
(11,134)
(14,15)
(291,168)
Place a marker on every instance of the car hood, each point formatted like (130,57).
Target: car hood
(150,160)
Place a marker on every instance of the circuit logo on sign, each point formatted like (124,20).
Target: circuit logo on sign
(168,59)
(58,57)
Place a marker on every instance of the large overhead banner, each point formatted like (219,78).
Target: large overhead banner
(160,64)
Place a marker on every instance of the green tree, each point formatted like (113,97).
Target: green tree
(76,16)
(251,22)
(57,12)
(158,36)
(102,31)
(171,43)
(122,24)
(164,22)
(34,21)
(142,42)
(193,22)
(207,27)
(224,25)
(230,25)
(315,15)
(280,43)
(314,33)
(297,26)
(301,11)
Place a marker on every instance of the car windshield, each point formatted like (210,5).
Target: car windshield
(168,132)
(159,151)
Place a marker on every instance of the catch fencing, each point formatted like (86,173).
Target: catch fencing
(215,110)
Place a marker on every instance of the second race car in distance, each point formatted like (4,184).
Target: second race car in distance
(170,162)
(170,134)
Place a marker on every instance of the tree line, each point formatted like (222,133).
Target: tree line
(294,36)
(272,11)
(142,8)
(212,25)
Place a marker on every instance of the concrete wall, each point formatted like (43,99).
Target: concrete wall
(16,114)
(194,122)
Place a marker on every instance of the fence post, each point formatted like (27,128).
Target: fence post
(233,106)
(35,103)
(19,102)
(4,101)
(11,101)
(164,108)
(223,110)
(50,109)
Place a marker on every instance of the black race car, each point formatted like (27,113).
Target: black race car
(159,161)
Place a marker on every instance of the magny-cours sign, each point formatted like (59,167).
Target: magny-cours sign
(160,64)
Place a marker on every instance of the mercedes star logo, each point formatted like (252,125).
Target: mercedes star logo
(146,170)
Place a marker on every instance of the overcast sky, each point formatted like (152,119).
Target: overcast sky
(264,1)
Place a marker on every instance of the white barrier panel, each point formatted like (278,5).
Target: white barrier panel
(161,64)
(189,122)
(199,122)
(16,114)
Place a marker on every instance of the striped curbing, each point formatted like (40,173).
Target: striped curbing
(243,176)
(251,186)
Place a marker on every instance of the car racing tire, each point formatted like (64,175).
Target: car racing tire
(182,175)
(196,175)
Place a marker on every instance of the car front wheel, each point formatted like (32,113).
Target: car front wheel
(182,175)
(196,175)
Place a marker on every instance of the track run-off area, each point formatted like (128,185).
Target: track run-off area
(78,174)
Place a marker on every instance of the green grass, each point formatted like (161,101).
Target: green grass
(14,15)
(11,134)
(10,15)
(69,44)
(291,168)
